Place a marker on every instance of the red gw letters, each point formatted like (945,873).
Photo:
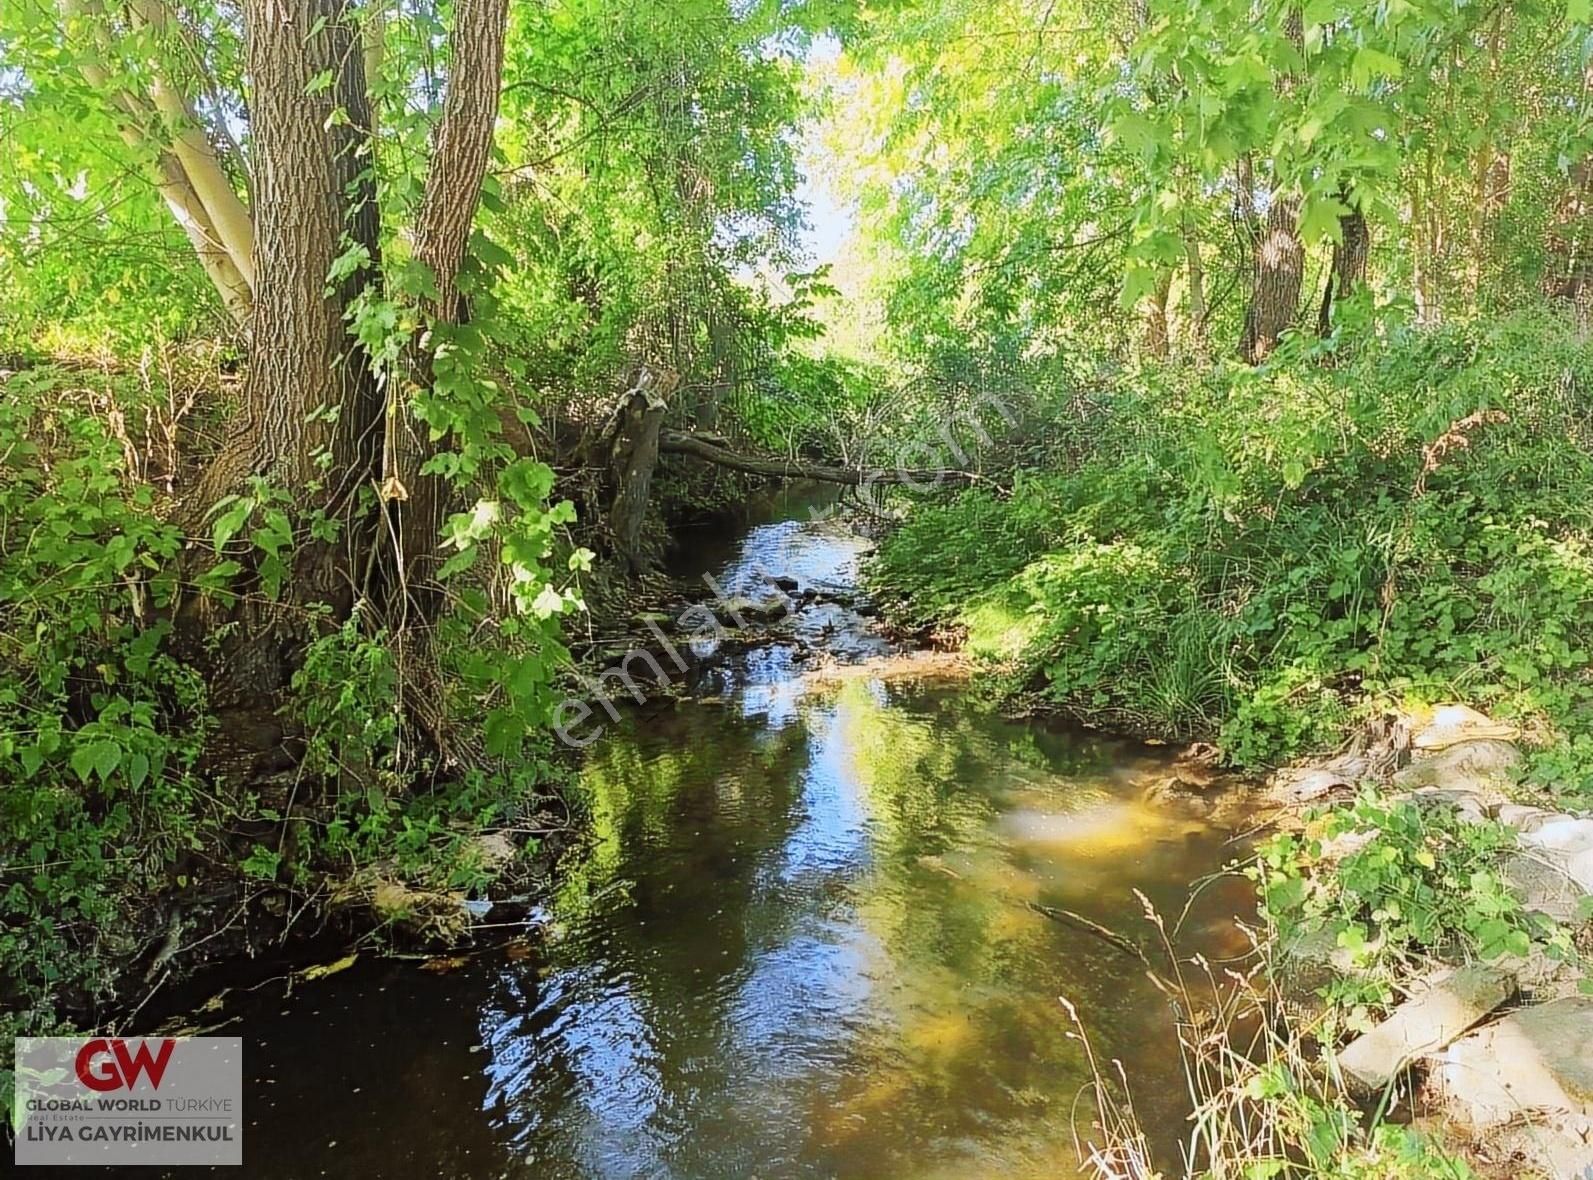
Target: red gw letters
(106,1064)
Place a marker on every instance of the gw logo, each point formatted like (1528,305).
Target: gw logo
(107,1064)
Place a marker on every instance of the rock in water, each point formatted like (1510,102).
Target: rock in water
(1424,1024)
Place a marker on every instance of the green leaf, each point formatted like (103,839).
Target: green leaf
(1370,63)
(1139,134)
(100,757)
(230,521)
(1578,11)
(1319,219)
(502,733)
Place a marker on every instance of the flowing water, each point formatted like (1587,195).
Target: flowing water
(798,943)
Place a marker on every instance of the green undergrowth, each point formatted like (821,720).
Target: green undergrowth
(120,829)
(1264,556)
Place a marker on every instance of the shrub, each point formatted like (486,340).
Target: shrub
(1262,555)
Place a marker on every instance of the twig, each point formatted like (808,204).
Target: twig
(1079,921)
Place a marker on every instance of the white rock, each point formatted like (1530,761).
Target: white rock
(1523,818)
(1450,725)
(1538,1059)
(1565,842)
(1424,1024)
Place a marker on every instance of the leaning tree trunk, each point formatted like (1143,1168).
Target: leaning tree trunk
(1277,270)
(632,455)
(461,150)
(1348,272)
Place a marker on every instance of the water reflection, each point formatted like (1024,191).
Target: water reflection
(800,946)
(797,943)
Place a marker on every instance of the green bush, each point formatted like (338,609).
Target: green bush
(100,728)
(1260,556)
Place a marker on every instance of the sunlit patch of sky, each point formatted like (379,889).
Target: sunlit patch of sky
(828,220)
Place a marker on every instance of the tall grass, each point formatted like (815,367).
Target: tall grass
(1265,1101)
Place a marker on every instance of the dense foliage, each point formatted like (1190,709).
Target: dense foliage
(1265,555)
(337,342)
(317,675)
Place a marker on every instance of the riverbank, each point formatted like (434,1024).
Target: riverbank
(1297,565)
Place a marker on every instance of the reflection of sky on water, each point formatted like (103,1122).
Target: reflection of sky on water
(835,985)
(765,1035)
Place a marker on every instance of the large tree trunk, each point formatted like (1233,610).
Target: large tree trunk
(461,150)
(312,414)
(1278,256)
(312,188)
(1277,270)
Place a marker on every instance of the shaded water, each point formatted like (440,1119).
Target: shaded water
(798,944)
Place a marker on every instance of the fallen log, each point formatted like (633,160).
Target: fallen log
(677,442)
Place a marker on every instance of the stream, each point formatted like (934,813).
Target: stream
(798,942)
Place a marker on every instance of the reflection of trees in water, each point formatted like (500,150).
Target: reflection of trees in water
(652,927)
(809,943)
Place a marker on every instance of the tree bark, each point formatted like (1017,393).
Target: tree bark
(1196,273)
(1278,260)
(1426,242)
(461,150)
(1482,206)
(1570,255)
(191,147)
(183,167)
(310,190)
(1348,272)
(633,454)
(1157,336)
(1278,269)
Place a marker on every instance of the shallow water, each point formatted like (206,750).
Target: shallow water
(798,944)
